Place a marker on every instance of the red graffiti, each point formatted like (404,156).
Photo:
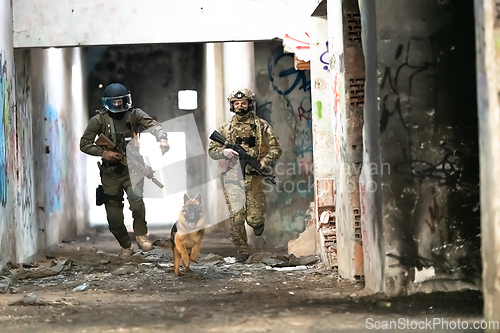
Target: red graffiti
(306,167)
(336,141)
(306,45)
(302,114)
(336,96)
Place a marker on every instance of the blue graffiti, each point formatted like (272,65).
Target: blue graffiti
(53,188)
(3,155)
(300,75)
(264,111)
(327,67)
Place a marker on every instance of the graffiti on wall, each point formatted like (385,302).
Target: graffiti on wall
(281,72)
(339,125)
(27,226)
(447,168)
(324,58)
(54,184)
(4,127)
(416,108)
(289,103)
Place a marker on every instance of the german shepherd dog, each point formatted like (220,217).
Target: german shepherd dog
(187,233)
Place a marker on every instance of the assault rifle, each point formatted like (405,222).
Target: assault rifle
(243,156)
(134,158)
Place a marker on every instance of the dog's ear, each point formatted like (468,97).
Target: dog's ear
(198,198)
(186,198)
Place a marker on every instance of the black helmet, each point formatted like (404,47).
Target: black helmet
(116,98)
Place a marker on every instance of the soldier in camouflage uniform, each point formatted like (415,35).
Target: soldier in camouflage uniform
(244,194)
(119,121)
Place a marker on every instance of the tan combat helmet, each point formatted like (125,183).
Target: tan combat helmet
(240,94)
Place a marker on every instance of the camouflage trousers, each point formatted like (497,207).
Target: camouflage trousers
(246,201)
(114,185)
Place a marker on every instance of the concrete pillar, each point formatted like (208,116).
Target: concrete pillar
(214,117)
(8,134)
(488,87)
(348,78)
(370,201)
(78,121)
(238,69)
(27,228)
(322,131)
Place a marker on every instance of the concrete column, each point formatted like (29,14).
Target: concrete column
(348,77)
(238,69)
(322,131)
(488,87)
(214,117)
(28,228)
(8,133)
(79,120)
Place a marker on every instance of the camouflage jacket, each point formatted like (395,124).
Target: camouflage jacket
(239,129)
(103,123)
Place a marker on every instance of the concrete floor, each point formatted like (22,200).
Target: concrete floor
(143,295)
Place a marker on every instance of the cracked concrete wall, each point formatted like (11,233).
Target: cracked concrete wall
(488,54)
(284,100)
(421,113)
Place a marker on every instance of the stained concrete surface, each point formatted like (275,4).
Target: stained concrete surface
(142,294)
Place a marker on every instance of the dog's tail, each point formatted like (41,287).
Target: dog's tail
(172,235)
(164,243)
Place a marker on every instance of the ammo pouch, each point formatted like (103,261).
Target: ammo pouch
(102,198)
(250,141)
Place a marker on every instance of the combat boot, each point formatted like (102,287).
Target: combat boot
(126,252)
(144,243)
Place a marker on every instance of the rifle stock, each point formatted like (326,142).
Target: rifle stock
(104,141)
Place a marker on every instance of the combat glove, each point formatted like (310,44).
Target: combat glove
(111,156)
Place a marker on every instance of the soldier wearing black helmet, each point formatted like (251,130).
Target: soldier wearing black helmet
(119,120)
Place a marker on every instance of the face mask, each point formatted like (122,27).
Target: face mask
(241,111)
(117,115)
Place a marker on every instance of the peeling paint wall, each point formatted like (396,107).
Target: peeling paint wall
(423,104)
(9,180)
(284,100)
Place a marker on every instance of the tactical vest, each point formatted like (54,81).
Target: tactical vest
(120,131)
(248,135)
